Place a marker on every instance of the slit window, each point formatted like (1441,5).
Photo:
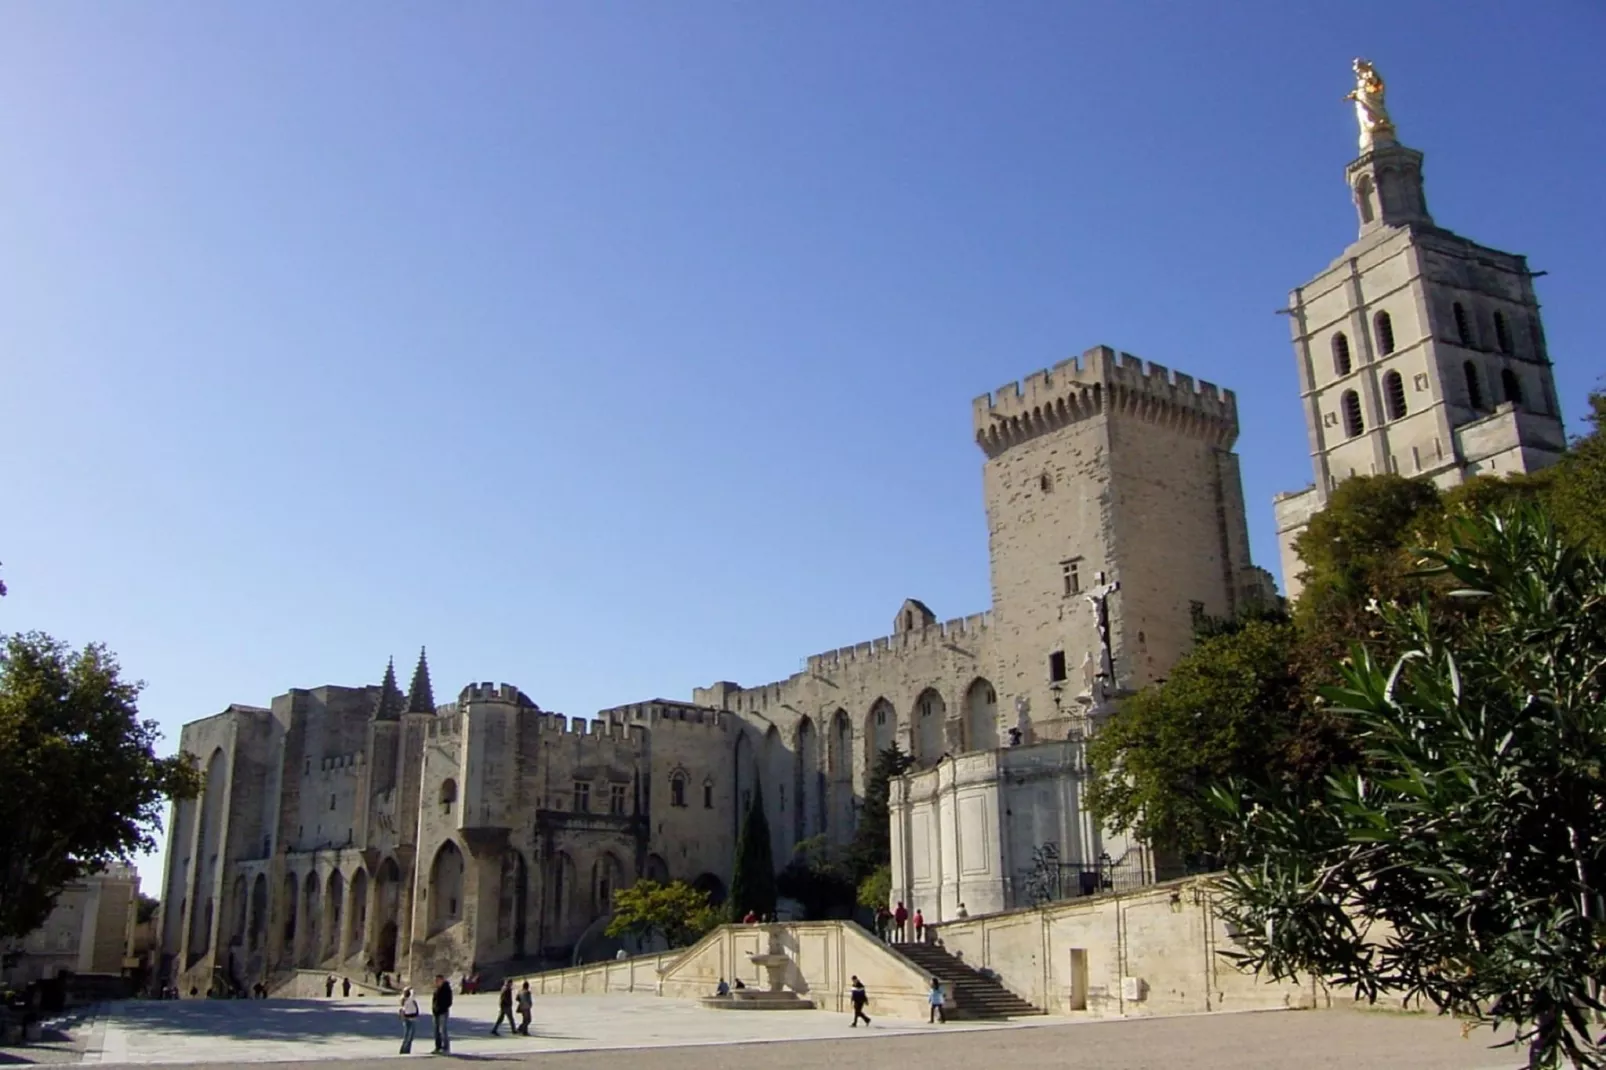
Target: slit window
(1394,394)
(1463,331)
(1502,336)
(1510,386)
(1385,333)
(1351,404)
(1341,361)
(1474,388)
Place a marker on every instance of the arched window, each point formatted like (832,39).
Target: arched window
(1351,404)
(1463,331)
(1341,363)
(677,789)
(1502,337)
(1510,387)
(708,795)
(1474,391)
(448,795)
(1385,333)
(1394,394)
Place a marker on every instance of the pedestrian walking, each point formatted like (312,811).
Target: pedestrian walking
(900,917)
(409,1017)
(526,1002)
(440,1009)
(504,1008)
(935,999)
(920,927)
(858,997)
(883,923)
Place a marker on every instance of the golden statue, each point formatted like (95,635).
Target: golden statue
(1369,109)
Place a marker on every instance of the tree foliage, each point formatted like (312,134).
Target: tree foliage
(818,878)
(676,911)
(876,888)
(82,783)
(1223,712)
(1463,863)
(872,838)
(753,881)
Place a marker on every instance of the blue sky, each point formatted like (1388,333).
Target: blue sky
(611,349)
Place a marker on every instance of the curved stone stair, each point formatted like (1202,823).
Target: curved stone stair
(972,996)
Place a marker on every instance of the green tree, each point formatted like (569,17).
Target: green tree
(1464,866)
(753,882)
(876,889)
(818,878)
(146,909)
(676,911)
(1229,708)
(82,783)
(872,839)
(1577,487)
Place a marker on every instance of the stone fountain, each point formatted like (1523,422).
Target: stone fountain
(777,997)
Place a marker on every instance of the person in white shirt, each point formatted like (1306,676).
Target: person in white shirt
(409,1017)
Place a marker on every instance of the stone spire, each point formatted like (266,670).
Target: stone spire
(420,696)
(390,696)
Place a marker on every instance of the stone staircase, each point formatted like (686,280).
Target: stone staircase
(972,995)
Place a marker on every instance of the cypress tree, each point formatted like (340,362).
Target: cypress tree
(753,882)
(872,840)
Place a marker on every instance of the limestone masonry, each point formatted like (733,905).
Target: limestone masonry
(342,826)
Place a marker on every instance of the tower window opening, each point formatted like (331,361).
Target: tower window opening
(1056,667)
(1070,571)
(677,790)
(1510,387)
(708,795)
(1394,394)
(1045,482)
(1385,333)
(1474,390)
(331,802)
(582,797)
(1341,361)
(1463,331)
(1351,404)
(616,798)
(1502,336)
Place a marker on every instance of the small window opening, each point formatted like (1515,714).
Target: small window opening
(616,799)
(1385,333)
(708,795)
(1502,336)
(677,790)
(331,802)
(1351,404)
(1341,361)
(1070,571)
(448,796)
(1474,389)
(1394,394)
(1463,332)
(582,797)
(1510,387)
(1045,482)
(1056,667)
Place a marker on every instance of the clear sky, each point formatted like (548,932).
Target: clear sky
(611,349)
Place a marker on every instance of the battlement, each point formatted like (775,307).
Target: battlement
(557,724)
(664,712)
(487,692)
(1102,381)
(949,631)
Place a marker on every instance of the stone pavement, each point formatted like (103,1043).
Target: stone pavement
(586,1032)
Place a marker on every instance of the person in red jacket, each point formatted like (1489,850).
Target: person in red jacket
(920,927)
(900,918)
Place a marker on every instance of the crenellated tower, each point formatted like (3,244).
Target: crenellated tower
(1420,352)
(1106,471)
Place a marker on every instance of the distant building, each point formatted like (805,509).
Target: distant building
(90,931)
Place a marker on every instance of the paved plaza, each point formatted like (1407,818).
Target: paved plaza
(586,1033)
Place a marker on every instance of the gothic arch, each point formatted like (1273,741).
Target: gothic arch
(657,869)
(513,896)
(387,911)
(778,794)
(808,783)
(839,820)
(292,899)
(334,909)
(560,898)
(981,715)
(239,915)
(258,923)
(310,918)
(445,887)
(926,739)
(208,846)
(880,731)
(358,935)
(713,886)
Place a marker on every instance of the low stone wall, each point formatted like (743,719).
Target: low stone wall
(1151,952)
(638,974)
(309,984)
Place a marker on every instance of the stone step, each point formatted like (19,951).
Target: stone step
(971,994)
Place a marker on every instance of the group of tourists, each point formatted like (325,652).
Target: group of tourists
(440,1012)
(859,997)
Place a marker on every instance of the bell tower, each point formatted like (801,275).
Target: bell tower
(1419,352)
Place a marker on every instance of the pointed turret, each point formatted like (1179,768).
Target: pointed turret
(421,697)
(390,696)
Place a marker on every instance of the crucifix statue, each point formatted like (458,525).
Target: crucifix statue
(1101,671)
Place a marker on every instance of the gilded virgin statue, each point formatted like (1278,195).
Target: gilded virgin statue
(1370,111)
